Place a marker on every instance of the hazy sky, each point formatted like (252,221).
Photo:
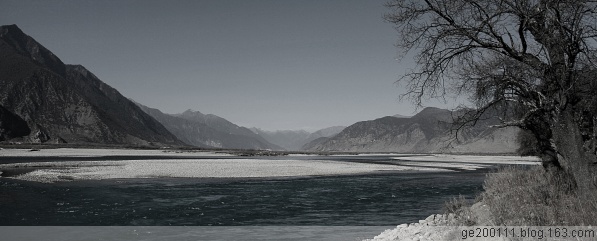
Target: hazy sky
(272,64)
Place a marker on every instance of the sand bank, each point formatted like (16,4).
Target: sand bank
(208,165)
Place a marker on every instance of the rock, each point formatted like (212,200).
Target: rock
(40,136)
(58,140)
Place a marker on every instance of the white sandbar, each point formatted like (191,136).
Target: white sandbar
(196,168)
(75,152)
(466,162)
(207,165)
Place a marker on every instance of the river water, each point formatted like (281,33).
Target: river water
(349,200)
(345,207)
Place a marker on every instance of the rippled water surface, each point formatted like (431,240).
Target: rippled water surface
(376,199)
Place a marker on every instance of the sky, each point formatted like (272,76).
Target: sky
(271,64)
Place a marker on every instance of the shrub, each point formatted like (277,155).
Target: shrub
(536,197)
(460,209)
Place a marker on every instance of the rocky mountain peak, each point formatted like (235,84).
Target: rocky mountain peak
(192,113)
(12,29)
(27,46)
(432,111)
(61,102)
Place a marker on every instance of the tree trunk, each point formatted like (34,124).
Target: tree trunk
(571,154)
(542,131)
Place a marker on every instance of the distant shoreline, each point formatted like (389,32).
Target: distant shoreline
(35,146)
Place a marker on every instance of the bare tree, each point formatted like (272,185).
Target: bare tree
(533,58)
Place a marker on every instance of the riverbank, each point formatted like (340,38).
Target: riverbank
(513,197)
(438,226)
(63,164)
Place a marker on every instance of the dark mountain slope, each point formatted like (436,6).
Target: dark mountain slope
(11,125)
(61,102)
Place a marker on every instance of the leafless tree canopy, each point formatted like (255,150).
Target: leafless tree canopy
(533,57)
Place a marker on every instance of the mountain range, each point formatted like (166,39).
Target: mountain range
(429,131)
(66,103)
(294,140)
(210,131)
(43,100)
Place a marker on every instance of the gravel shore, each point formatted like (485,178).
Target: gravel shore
(436,227)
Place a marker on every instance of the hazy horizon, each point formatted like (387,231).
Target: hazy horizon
(274,65)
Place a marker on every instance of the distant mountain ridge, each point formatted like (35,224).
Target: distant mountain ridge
(426,132)
(209,131)
(67,103)
(290,140)
(294,140)
(401,116)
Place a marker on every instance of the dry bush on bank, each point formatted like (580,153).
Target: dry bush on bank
(460,208)
(536,197)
